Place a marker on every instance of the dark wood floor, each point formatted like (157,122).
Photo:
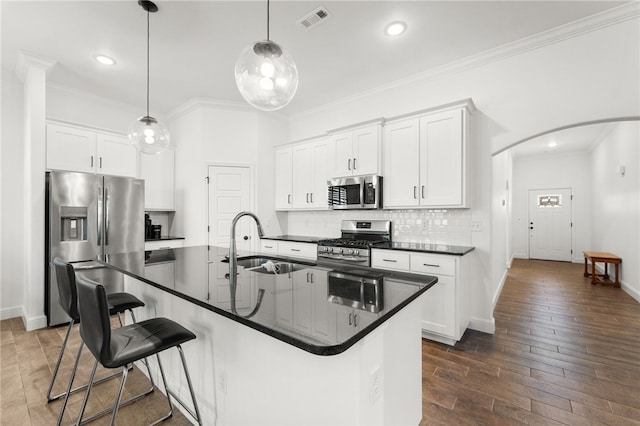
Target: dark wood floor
(564,352)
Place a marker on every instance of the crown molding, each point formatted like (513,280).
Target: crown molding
(28,60)
(582,26)
(196,103)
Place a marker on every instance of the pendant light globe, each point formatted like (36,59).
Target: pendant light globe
(148,135)
(266,75)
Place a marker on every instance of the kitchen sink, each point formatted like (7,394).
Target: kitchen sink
(261,264)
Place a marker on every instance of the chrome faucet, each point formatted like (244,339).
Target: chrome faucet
(233,263)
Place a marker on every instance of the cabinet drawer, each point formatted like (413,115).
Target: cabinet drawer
(163,244)
(433,265)
(389,259)
(269,246)
(293,249)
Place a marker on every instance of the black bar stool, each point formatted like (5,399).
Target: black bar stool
(121,346)
(118,303)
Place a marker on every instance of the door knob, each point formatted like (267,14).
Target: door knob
(246,237)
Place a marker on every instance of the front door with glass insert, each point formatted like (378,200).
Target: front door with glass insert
(550,224)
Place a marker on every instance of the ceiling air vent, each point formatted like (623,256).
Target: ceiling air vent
(314,18)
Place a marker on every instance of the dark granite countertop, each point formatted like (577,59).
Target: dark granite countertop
(426,248)
(296,238)
(316,289)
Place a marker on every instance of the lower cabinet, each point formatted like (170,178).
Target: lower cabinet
(162,273)
(445,310)
(307,291)
(305,251)
(350,320)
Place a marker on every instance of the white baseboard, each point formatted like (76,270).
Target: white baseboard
(485,325)
(33,323)
(6,313)
(496,295)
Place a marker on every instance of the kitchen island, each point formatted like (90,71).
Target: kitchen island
(312,344)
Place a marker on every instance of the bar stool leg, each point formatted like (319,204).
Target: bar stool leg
(86,395)
(193,396)
(57,367)
(70,385)
(125,371)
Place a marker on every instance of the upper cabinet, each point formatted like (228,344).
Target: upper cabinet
(84,150)
(284,178)
(427,159)
(158,171)
(357,151)
(302,172)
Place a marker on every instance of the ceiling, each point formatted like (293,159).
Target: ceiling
(194,44)
(576,139)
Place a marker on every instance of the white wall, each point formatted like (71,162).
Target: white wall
(582,76)
(209,133)
(548,171)
(616,199)
(11,198)
(500,259)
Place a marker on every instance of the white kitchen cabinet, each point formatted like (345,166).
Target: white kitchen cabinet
(357,151)
(284,178)
(163,244)
(158,172)
(427,159)
(162,273)
(302,172)
(302,305)
(445,308)
(269,247)
(84,150)
(350,320)
(298,250)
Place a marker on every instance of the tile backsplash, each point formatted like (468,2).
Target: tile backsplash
(451,227)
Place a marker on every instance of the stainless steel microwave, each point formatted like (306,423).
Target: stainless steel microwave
(357,192)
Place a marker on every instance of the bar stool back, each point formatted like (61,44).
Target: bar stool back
(121,346)
(118,303)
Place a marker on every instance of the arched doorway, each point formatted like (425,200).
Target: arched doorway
(599,161)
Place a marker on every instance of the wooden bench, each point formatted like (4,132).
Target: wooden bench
(606,258)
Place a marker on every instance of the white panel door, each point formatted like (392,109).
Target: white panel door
(550,224)
(230,192)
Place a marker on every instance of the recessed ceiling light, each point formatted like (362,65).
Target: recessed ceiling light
(553,144)
(395,28)
(104,60)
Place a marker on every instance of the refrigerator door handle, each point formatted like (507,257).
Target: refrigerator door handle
(99,217)
(106,215)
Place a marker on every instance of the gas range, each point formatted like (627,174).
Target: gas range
(358,236)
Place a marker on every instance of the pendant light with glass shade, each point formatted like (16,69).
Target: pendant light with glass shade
(147,134)
(266,75)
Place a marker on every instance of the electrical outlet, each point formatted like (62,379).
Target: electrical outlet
(375,385)
(476,226)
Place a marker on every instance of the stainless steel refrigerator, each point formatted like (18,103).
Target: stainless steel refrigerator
(88,217)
